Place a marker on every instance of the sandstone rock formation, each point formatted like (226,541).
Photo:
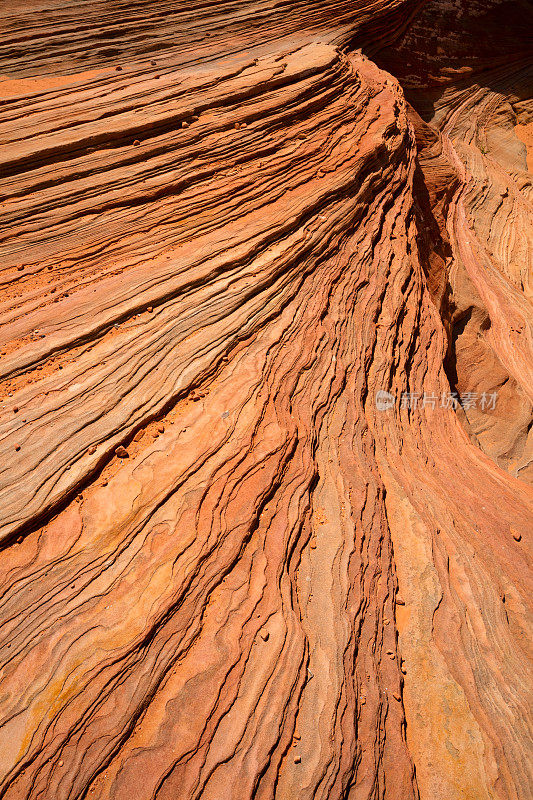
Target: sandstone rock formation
(228,571)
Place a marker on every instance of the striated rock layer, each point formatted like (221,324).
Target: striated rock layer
(227,570)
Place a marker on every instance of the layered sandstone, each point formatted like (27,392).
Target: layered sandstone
(227,571)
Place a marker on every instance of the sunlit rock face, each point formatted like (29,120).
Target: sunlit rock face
(266,400)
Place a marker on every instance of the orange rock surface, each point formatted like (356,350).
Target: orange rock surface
(266,400)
